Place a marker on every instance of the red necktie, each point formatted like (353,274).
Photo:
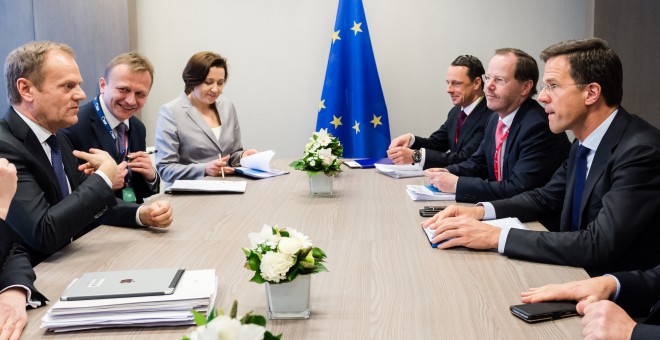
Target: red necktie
(459,124)
(500,136)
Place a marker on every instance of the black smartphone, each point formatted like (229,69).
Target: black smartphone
(430,211)
(544,311)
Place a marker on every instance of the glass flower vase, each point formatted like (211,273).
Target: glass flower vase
(289,300)
(320,184)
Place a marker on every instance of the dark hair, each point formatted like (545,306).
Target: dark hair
(526,67)
(473,64)
(27,61)
(592,61)
(198,68)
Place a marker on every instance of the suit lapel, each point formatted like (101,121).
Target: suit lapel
(565,224)
(197,118)
(470,122)
(102,136)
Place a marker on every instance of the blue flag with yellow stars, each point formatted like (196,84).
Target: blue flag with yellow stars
(352,105)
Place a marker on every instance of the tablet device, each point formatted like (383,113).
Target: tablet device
(544,311)
(126,283)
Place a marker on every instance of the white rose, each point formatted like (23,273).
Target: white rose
(289,245)
(252,332)
(275,265)
(306,242)
(326,155)
(225,328)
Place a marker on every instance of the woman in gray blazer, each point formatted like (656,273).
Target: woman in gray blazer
(198,134)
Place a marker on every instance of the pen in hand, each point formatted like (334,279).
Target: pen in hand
(222,169)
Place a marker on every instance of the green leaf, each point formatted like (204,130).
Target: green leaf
(254,319)
(200,319)
(284,233)
(318,253)
(269,336)
(257,278)
(319,268)
(234,310)
(212,315)
(247,251)
(253,261)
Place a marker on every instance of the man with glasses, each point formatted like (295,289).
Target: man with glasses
(518,152)
(606,193)
(459,137)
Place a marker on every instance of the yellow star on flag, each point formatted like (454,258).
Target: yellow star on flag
(336,121)
(322,105)
(356,27)
(376,121)
(335,36)
(356,127)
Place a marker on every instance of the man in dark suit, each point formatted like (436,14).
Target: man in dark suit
(460,135)
(606,193)
(631,293)
(124,88)
(55,202)
(16,275)
(518,152)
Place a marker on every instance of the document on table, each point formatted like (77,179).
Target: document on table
(508,222)
(206,186)
(366,163)
(428,193)
(258,165)
(400,171)
(197,290)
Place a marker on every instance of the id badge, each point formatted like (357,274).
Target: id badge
(128,195)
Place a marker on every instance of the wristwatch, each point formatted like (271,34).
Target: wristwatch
(416,156)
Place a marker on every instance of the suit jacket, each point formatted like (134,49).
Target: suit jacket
(15,267)
(619,212)
(531,155)
(185,143)
(442,148)
(640,290)
(44,220)
(90,132)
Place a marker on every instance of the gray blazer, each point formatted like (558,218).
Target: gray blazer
(185,143)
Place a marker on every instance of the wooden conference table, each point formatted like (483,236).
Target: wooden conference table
(385,281)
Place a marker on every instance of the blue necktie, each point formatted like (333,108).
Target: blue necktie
(580,176)
(58,167)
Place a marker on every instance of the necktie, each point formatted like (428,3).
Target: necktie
(580,175)
(58,167)
(500,136)
(122,143)
(459,124)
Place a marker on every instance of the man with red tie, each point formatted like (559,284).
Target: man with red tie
(518,152)
(459,137)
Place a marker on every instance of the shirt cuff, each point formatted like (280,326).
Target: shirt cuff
(30,302)
(105,177)
(152,185)
(412,140)
(502,242)
(489,211)
(618,288)
(423,152)
(137,217)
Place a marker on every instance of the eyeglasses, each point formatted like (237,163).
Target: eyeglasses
(497,80)
(550,88)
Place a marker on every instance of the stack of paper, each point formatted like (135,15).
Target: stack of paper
(399,171)
(428,193)
(196,290)
(258,165)
(206,186)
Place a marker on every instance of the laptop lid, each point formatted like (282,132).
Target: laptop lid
(125,283)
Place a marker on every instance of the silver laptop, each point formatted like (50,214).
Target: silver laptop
(126,283)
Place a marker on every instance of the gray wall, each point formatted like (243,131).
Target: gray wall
(631,28)
(96,29)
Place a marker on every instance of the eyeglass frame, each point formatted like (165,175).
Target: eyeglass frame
(550,88)
(499,81)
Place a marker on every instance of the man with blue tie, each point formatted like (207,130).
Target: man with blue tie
(606,193)
(55,201)
(108,123)
(458,137)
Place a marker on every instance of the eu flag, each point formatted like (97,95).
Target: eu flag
(352,105)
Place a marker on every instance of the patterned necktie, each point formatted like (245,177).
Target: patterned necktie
(579,177)
(58,167)
(459,124)
(500,136)
(122,143)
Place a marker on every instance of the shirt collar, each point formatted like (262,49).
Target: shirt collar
(112,120)
(41,133)
(508,120)
(593,140)
(471,107)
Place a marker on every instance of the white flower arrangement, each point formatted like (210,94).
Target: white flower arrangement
(279,255)
(228,327)
(322,154)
